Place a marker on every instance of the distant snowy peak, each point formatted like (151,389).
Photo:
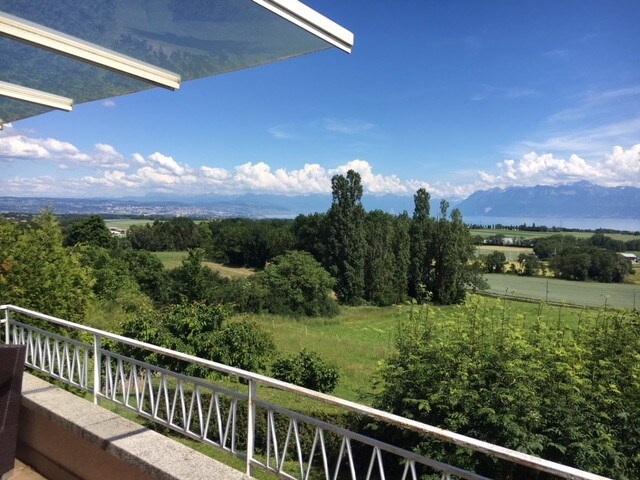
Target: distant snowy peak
(577,200)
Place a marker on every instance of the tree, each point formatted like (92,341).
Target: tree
(92,231)
(494,262)
(346,239)
(453,252)
(402,249)
(244,345)
(38,272)
(310,234)
(296,284)
(422,230)
(572,265)
(380,260)
(530,264)
(190,328)
(149,273)
(193,281)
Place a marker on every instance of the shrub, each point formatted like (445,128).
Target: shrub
(296,284)
(308,370)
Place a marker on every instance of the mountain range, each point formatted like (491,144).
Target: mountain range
(577,200)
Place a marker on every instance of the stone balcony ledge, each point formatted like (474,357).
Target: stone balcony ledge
(66,437)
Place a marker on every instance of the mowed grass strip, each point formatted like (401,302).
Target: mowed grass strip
(174,259)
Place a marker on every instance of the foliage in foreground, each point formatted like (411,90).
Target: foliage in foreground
(534,385)
(203,331)
(309,370)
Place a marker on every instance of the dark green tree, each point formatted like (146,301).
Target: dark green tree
(149,273)
(92,231)
(310,234)
(296,284)
(453,252)
(346,238)
(380,260)
(193,281)
(422,249)
(530,264)
(402,250)
(494,262)
(38,272)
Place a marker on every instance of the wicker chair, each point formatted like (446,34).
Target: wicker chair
(11,368)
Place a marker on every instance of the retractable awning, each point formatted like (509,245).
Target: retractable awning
(56,54)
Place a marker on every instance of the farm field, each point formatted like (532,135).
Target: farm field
(511,253)
(125,223)
(488,232)
(589,294)
(174,259)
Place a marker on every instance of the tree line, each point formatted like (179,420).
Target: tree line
(374,257)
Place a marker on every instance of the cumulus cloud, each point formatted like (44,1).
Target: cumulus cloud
(621,167)
(109,103)
(136,174)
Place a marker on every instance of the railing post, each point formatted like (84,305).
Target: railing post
(251,423)
(97,367)
(7,316)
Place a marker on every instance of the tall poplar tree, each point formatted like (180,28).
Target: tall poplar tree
(421,248)
(346,237)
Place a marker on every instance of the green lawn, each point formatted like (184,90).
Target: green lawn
(355,340)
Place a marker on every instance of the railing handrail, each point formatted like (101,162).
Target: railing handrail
(504,453)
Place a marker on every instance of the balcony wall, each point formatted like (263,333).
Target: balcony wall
(65,437)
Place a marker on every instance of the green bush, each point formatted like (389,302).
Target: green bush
(570,394)
(308,370)
(296,284)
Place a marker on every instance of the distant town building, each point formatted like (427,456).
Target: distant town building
(631,257)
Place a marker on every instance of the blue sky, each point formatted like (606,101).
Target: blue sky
(454,96)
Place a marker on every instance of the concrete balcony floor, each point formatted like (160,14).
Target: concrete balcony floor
(23,472)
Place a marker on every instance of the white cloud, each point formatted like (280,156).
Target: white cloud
(280,133)
(166,164)
(109,103)
(621,167)
(347,127)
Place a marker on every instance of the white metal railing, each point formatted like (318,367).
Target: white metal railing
(227,419)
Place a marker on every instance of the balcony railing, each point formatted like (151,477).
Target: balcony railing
(289,444)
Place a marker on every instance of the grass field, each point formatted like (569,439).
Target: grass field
(174,259)
(125,223)
(486,232)
(589,294)
(361,337)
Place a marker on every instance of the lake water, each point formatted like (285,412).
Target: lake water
(626,224)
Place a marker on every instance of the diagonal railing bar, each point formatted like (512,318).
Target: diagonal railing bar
(208,412)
